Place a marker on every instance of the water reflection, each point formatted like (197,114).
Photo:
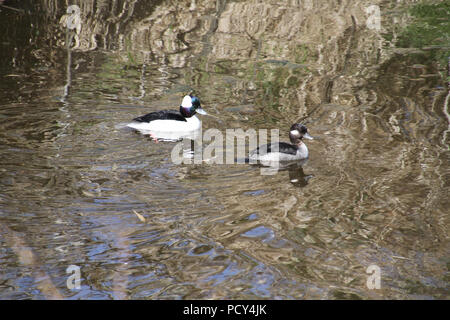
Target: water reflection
(297,177)
(373,192)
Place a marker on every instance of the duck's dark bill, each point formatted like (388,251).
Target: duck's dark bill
(201,111)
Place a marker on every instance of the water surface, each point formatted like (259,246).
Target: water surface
(374,191)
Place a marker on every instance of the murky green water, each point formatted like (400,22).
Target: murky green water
(374,192)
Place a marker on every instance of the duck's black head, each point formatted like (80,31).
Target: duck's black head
(298,132)
(190,106)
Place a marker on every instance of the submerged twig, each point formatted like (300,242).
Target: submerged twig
(12,8)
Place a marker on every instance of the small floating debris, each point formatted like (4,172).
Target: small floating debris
(140,216)
(401,258)
(88,194)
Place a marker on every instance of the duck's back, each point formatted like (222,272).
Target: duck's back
(161,115)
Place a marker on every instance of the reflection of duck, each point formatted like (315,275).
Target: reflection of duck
(282,151)
(171,124)
(296,175)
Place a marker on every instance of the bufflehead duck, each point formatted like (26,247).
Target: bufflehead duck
(282,151)
(171,124)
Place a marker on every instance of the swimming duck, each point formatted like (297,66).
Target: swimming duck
(171,123)
(282,151)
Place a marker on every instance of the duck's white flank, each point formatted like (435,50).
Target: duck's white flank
(191,124)
(302,153)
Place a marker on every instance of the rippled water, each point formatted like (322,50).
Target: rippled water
(374,191)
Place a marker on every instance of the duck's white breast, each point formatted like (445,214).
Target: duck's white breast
(302,152)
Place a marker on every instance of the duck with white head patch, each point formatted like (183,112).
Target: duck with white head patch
(282,151)
(171,124)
